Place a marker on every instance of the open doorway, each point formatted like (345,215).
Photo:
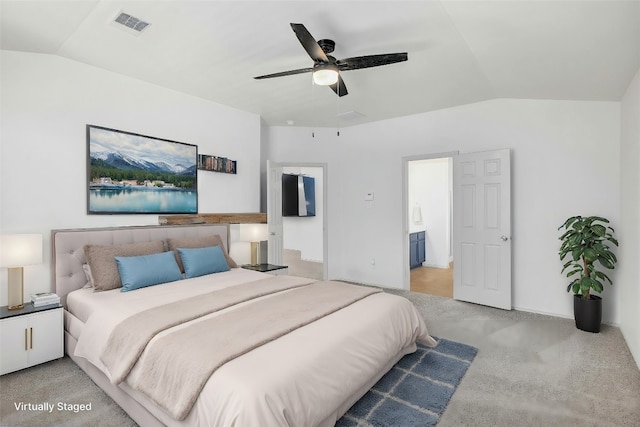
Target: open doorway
(302,237)
(479,227)
(429,216)
(300,243)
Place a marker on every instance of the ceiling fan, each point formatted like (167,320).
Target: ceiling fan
(326,69)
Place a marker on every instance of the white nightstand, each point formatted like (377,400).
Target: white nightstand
(275,270)
(30,336)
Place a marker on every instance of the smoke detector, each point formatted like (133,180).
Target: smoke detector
(130,23)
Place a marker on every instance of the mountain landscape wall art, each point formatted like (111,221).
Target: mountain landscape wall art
(128,173)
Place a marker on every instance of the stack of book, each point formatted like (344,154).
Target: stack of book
(44,298)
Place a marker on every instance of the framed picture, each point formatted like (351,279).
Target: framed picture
(128,173)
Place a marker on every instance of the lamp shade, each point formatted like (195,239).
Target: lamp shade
(18,250)
(253,232)
(325,74)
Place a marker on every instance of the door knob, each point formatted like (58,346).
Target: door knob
(504,238)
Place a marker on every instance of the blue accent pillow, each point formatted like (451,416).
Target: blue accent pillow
(201,261)
(147,270)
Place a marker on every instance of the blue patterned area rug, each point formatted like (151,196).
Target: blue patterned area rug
(416,391)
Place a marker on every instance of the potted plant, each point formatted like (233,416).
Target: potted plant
(587,242)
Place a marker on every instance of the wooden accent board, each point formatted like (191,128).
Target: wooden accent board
(229,218)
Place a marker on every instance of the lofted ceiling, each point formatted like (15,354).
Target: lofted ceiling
(459,52)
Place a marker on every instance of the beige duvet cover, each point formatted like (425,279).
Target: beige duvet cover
(302,378)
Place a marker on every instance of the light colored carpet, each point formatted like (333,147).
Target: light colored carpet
(530,370)
(534,370)
(59,381)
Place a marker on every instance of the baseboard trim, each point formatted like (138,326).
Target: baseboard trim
(562,316)
(441,266)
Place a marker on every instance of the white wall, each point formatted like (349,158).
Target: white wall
(563,153)
(305,233)
(429,188)
(46,103)
(629,230)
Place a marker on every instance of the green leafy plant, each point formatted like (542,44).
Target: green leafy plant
(586,241)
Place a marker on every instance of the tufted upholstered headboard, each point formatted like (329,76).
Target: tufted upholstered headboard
(68,247)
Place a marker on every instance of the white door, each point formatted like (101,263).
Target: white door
(46,340)
(482,228)
(274,212)
(14,333)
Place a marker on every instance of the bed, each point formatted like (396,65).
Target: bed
(306,366)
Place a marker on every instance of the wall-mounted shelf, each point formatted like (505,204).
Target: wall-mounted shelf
(211,218)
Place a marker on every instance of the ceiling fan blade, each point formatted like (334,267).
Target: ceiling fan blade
(368,61)
(339,87)
(285,73)
(309,43)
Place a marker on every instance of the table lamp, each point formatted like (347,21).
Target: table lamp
(16,251)
(256,234)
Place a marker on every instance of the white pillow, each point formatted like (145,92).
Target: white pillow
(87,273)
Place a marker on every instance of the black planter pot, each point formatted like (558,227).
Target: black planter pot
(588,313)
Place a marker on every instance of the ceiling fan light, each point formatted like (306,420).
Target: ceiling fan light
(325,75)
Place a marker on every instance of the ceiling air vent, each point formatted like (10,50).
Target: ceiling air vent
(135,24)
(350,115)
